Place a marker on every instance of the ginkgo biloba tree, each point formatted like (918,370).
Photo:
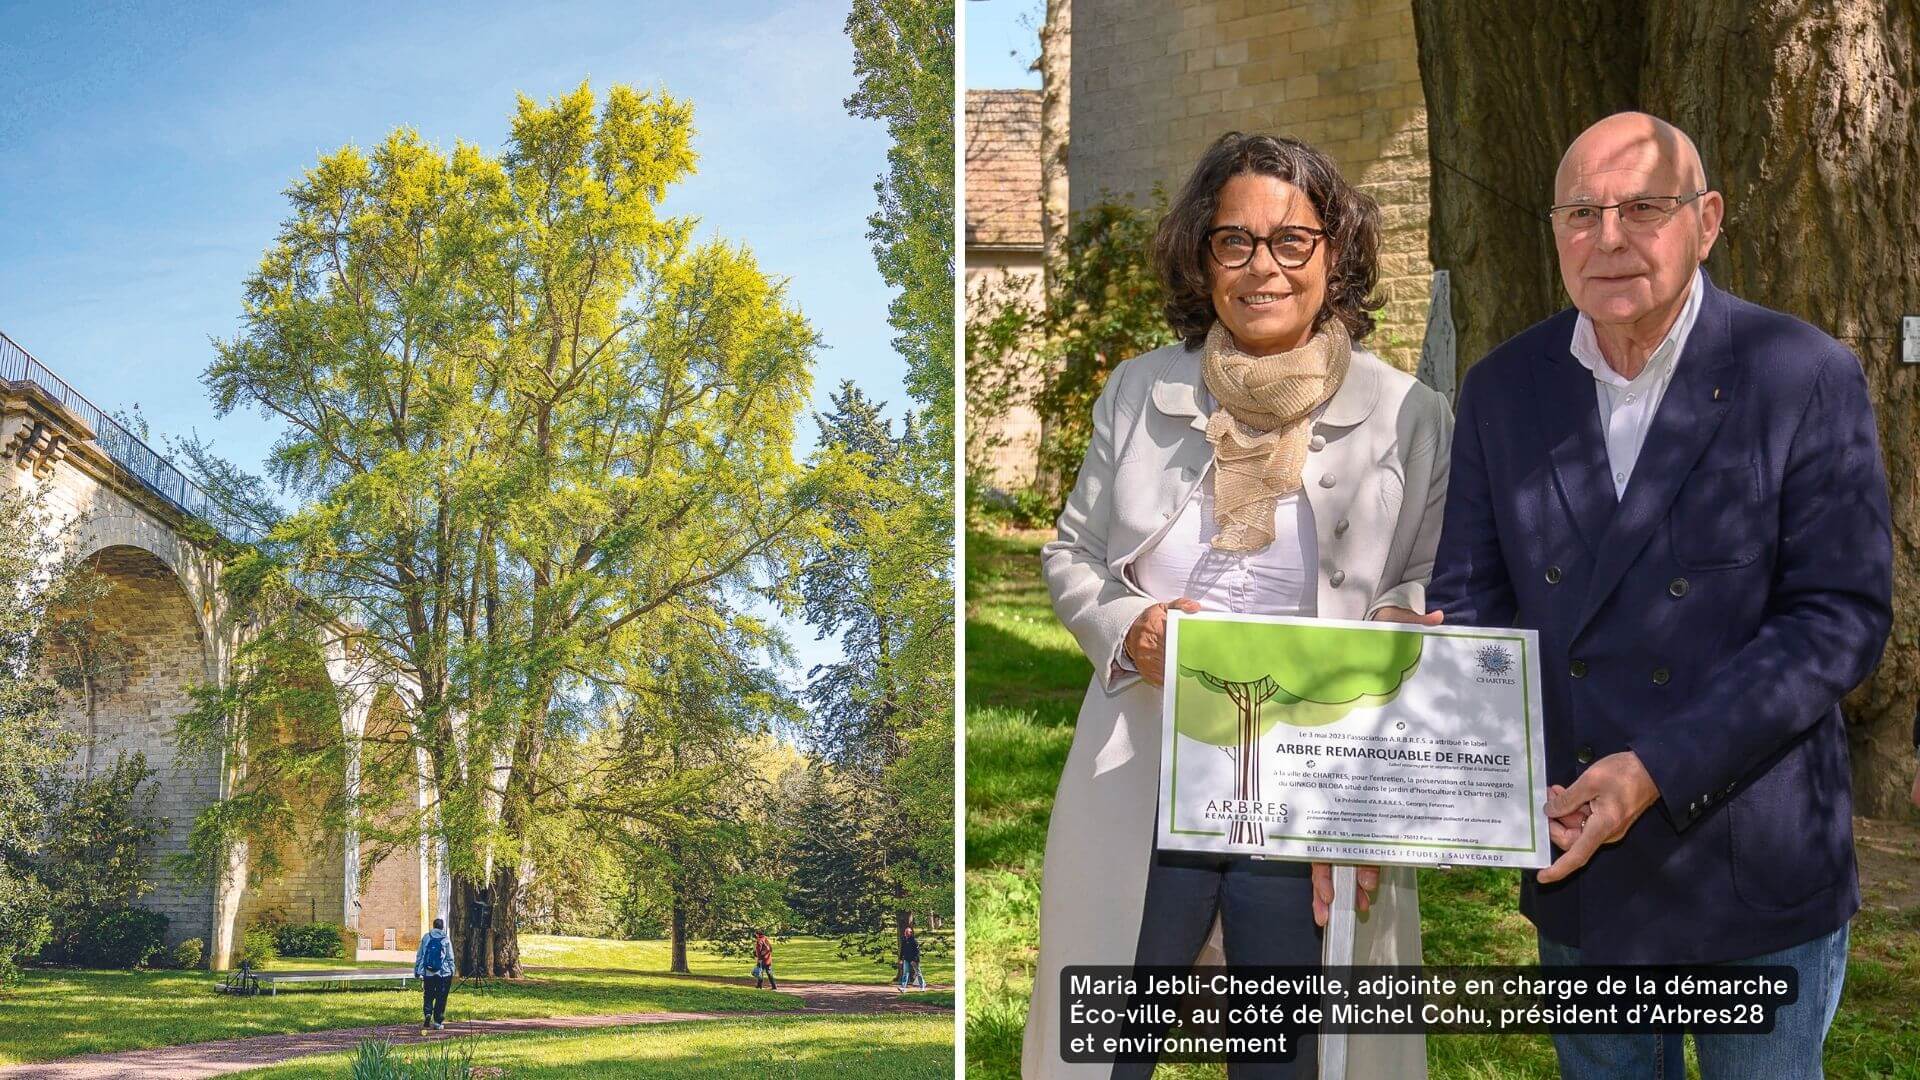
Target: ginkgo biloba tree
(534,421)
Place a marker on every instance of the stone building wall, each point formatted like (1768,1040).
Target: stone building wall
(1155,81)
(1003,259)
(154,656)
(394,892)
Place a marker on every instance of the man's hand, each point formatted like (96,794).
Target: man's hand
(1146,642)
(1400,614)
(1598,809)
(1365,880)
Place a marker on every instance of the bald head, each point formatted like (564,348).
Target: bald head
(1629,142)
(1631,276)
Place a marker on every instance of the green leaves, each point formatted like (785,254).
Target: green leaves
(544,440)
(903,59)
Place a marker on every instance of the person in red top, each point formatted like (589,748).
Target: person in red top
(763,960)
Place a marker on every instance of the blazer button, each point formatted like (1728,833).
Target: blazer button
(1340,527)
(1326,481)
(1660,676)
(1677,587)
(1693,808)
(1336,578)
(1577,669)
(1553,575)
(1318,442)
(1585,756)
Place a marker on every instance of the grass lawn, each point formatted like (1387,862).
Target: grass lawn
(799,959)
(800,1048)
(60,1013)
(1025,677)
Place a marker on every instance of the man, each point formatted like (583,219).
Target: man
(763,960)
(1683,493)
(433,966)
(910,960)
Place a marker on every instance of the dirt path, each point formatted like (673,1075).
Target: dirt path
(234,1055)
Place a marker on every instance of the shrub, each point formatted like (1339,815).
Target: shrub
(94,863)
(24,926)
(121,938)
(312,939)
(187,955)
(377,1059)
(256,948)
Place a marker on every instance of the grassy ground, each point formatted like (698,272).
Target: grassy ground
(1025,677)
(799,959)
(60,1013)
(801,1048)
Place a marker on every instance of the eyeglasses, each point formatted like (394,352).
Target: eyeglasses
(1643,214)
(1291,246)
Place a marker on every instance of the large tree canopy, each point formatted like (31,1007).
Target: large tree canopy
(540,431)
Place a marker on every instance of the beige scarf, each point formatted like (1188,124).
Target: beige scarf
(1260,424)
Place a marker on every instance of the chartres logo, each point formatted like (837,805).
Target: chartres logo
(1496,664)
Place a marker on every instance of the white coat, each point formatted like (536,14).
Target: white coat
(1375,478)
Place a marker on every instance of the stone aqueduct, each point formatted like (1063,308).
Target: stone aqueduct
(122,508)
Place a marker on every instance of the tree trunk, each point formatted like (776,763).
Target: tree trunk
(1056,51)
(503,938)
(679,934)
(471,955)
(1508,86)
(1805,116)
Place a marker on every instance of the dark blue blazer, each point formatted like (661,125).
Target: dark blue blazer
(1710,620)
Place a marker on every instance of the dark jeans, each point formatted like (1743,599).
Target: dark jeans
(433,1004)
(1792,1051)
(1266,918)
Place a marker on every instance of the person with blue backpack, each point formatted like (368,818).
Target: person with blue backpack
(433,966)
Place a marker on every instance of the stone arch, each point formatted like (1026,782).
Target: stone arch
(146,648)
(193,570)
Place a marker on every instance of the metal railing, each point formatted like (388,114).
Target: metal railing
(127,450)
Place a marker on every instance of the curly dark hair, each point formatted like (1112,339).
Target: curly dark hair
(1350,216)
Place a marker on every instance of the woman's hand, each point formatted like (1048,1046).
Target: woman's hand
(1365,880)
(1400,614)
(1146,643)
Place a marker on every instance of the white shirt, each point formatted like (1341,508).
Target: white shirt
(1627,406)
(1278,579)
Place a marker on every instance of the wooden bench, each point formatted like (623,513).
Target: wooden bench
(249,981)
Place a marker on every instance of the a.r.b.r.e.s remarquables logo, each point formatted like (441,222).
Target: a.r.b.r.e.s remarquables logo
(1496,665)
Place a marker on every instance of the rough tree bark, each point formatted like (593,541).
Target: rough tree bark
(1056,51)
(679,932)
(1805,115)
(1056,88)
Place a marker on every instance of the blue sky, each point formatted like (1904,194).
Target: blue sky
(1003,40)
(145,147)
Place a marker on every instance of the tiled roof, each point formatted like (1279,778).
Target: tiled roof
(1003,168)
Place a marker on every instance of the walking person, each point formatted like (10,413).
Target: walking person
(763,960)
(910,961)
(433,966)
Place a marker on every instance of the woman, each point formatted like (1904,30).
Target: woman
(1262,464)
